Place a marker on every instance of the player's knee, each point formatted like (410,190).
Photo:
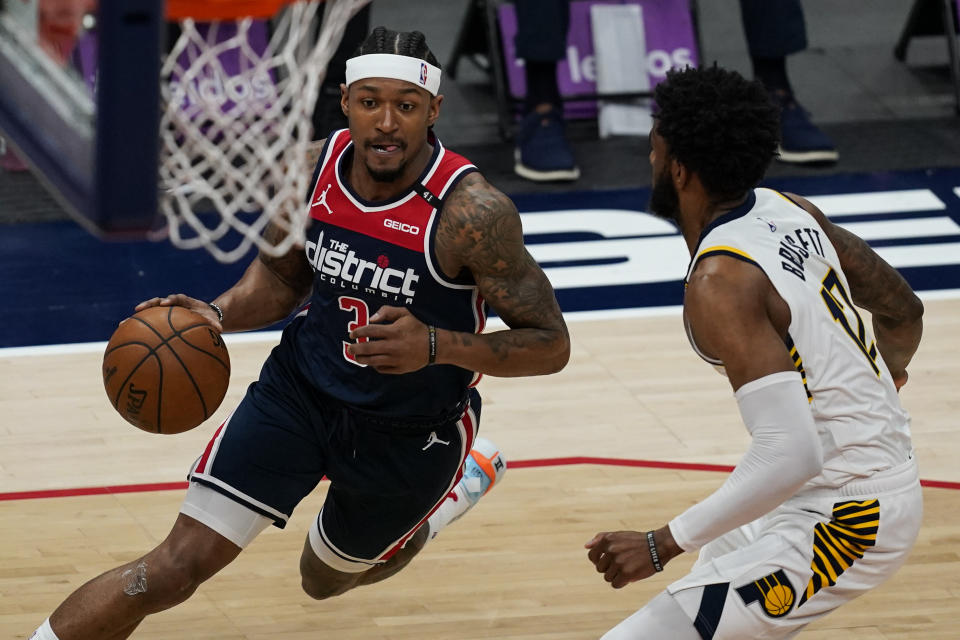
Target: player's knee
(179,582)
(167,578)
(328,585)
(417,541)
(413,546)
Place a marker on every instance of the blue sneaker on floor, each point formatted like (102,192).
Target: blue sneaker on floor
(543,153)
(800,140)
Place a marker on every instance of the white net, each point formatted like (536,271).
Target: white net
(238,97)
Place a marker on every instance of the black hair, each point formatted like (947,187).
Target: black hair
(403,43)
(719,125)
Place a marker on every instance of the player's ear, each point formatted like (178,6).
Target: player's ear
(433,111)
(679,173)
(343,100)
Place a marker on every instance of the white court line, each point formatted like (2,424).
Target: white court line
(494,323)
(869,203)
(901,229)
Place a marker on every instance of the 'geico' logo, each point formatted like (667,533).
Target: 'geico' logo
(401,226)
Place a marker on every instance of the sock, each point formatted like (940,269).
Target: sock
(482,469)
(44,632)
(542,87)
(449,510)
(772,72)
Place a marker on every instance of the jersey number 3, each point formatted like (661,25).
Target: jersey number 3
(361,317)
(840,305)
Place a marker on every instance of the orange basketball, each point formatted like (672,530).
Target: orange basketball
(166,369)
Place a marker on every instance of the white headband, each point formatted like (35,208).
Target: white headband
(389,65)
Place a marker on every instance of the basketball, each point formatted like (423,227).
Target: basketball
(166,369)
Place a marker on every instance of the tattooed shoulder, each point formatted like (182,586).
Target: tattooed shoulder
(874,284)
(477,218)
(314,149)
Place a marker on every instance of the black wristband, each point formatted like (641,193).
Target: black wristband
(653,552)
(432,341)
(217,308)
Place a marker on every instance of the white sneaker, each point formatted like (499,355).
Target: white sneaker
(483,468)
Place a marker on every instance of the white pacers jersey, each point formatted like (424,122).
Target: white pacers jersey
(863,429)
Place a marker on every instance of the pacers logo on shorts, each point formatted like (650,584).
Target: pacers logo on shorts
(775,593)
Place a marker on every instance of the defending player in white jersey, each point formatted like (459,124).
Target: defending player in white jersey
(826,502)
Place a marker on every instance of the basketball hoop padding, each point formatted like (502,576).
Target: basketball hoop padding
(211,10)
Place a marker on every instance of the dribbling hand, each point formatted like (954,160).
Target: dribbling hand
(181,300)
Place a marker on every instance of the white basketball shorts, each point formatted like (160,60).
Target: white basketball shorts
(818,550)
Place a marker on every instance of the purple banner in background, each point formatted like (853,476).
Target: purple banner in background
(223,82)
(670,43)
(231,78)
(84,58)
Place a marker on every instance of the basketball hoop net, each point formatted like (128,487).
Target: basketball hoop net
(238,97)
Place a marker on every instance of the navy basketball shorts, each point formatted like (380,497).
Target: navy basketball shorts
(385,478)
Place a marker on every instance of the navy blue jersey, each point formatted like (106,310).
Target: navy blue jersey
(368,254)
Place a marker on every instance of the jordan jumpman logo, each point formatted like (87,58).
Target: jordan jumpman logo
(432,439)
(323,200)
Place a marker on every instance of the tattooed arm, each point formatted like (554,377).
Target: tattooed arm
(270,288)
(480,232)
(881,290)
(314,149)
(268,291)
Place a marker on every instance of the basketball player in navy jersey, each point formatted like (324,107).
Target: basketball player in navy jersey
(826,502)
(372,385)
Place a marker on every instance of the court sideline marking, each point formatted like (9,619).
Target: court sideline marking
(518,464)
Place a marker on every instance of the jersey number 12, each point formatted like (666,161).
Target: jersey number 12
(840,305)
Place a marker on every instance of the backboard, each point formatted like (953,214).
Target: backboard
(79,103)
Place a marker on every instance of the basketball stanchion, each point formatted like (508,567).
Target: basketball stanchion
(239,86)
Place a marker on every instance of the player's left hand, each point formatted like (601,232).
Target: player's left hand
(899,378)
(393,341)
(621,556)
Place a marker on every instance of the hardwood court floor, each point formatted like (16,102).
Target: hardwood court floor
(513,568)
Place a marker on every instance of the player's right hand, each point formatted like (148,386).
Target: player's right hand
(182,300)
(394,341)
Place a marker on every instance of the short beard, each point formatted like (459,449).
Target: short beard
(386,175)
(664,200)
